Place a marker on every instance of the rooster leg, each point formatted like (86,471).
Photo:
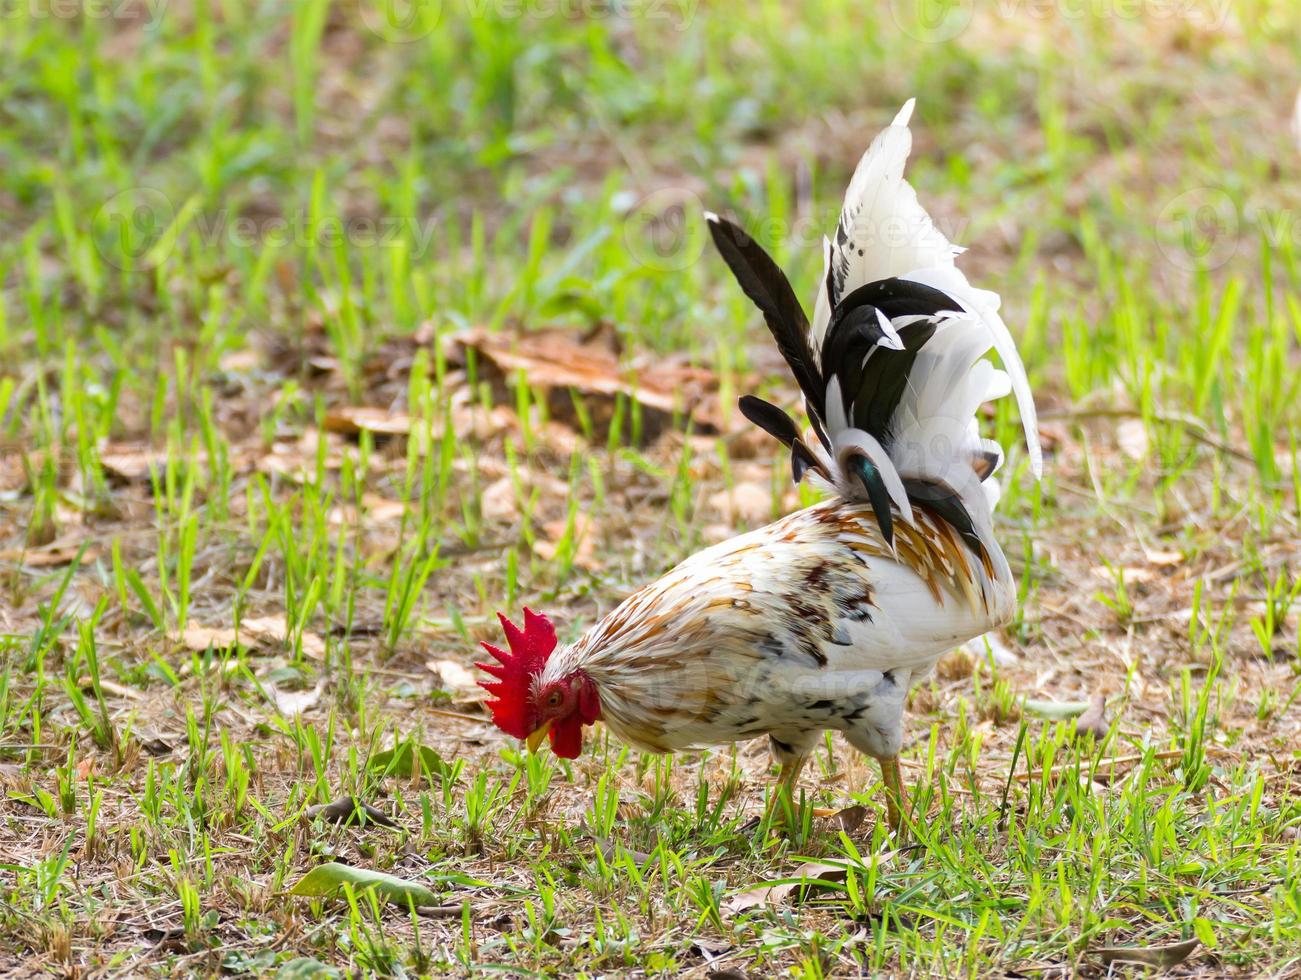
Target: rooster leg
(786,780)
(791,755)
(894,798)
(879,733)
(790,774)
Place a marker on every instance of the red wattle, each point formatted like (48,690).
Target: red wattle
(567,737)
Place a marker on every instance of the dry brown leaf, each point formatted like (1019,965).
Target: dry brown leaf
(375,509)
(274,629)
(554,359)
(348,810)
(497,502)
(453,676)
(584,534)
(349,420)
(112,687)
(297,460)
(1165,557)
(611,852)
(746,502)
(1296,121)
(16,465)
(134,462)
(1094,720)
(561,439)
(379,508)
(1133,575)
(200,638)
(258,631)
(1131,437)
(154,745)
(241,361)
(710,951)
(290,703)
(51,555)
(811,873)
(470,420)
(1158,956)
(131,462)
(848,819)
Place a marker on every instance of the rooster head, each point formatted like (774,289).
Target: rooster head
(527,706)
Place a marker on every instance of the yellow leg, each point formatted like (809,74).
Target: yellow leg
(786,780)
(894,798)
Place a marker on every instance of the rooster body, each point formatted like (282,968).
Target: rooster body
(807,624)
(825,618)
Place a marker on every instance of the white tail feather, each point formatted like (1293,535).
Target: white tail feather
(983,306)
(884,232)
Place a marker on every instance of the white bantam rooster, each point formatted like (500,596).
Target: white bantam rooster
(824,619)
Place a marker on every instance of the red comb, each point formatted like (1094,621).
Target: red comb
(529,650)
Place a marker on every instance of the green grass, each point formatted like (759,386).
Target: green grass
(221,224)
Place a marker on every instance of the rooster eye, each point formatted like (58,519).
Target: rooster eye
(554,699)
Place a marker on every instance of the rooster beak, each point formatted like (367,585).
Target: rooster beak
(534,740)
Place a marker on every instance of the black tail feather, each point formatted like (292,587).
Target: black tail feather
(770,290)
(884,378)
(782,427)
(872,377)
(901,297)
(803,460)
(770,418)
(984,463)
